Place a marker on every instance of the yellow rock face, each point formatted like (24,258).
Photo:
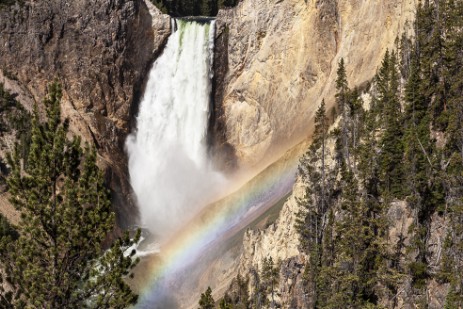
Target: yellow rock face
(282,60)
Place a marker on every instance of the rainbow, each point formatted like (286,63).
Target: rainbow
(216,223)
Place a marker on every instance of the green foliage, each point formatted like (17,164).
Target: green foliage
(7,2)
(419,273)
(8,234)
(314,203)
(391,152)
(454,299)
(452,258)
(15,119)
(225,302)
(319,180)
(239,292)
(7,230)
(342,101)
(386,154)
(270,275)
(207,301)
(179,8)
(406,150)
(58,261)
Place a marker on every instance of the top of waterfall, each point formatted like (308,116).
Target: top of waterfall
(200,19)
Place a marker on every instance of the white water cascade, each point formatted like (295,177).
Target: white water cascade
(169,169)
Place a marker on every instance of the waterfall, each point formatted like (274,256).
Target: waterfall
(168,165)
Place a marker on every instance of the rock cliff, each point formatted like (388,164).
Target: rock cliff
(100,51)
(276,60)
(280,242)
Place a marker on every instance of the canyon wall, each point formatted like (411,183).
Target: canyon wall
(276,61)
(280,241)
(100,51)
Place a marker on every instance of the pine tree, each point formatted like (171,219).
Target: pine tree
(15,119)
(8,234)
(270,274)
(314,173)
(206,7)
(452,256)
(315,203)
(225,302)
(257,289)
(454,57)
(426,99)
(453,247)
(342,100)
(356,116)
(207,301)
(368,163)
(391,150)
(58,260)
(382,82)
(384,154)
(320,140)
(348,245)
(419,147)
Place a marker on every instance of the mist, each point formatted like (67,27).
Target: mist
(169,169)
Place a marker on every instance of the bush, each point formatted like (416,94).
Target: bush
(419,273)
(7,2)
(6,229)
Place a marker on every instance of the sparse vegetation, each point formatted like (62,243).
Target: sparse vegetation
(14,119)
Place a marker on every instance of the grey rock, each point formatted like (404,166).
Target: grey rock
(100,51)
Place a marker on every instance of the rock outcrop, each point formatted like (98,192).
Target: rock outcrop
(100,51)
(276,60)
(279,241)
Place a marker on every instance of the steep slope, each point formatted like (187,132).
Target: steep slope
(379,222)
(281,242)
(100,52)
(277,59)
